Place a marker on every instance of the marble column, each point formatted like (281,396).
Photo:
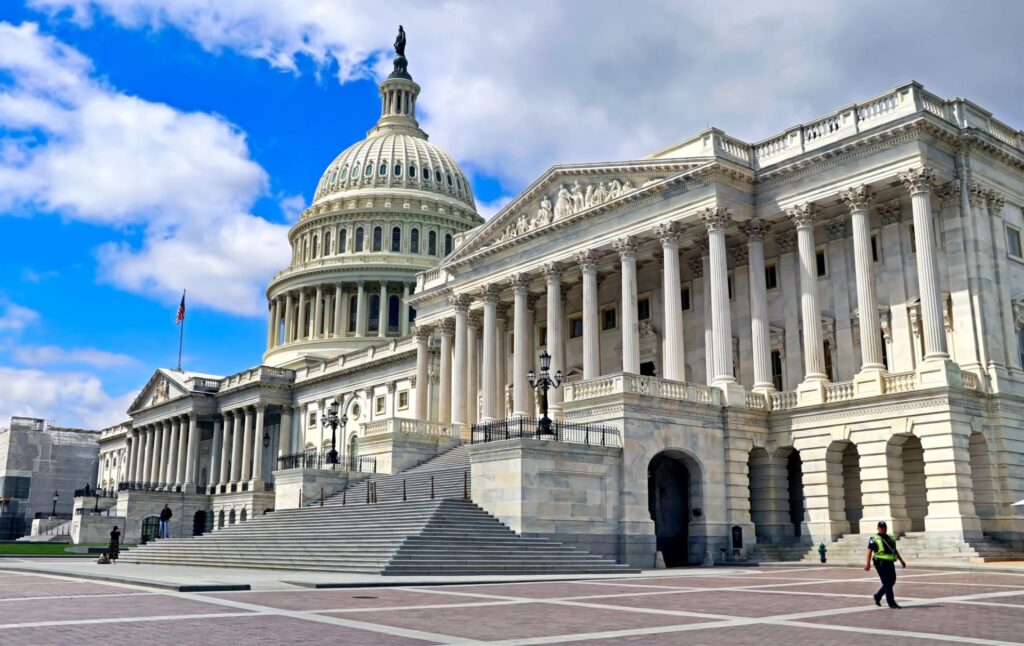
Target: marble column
(673,350)
(382,315)
(165,453)
(237,438)
(760,333)
(172,453)
(716,219)
(257,456)
(318,313)
(447,329)
(362,315)
(289,318)
(501,339)
(859,200)
(626,248)
(301,320)
(133,464)
(339,299)
(216,450)
(531,345)
(489,294)
(460,303)
(702,270)
(919,182)
(423,335)
(284,445)
(587,261)
(179,477)
(227,448)
(153,444)
(520,347)
(247,441)
(556,331)
(473,368)
(346,314)
(403,310)
(802,216)
(271,319)
(147,455)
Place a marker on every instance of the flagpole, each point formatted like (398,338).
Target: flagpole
(181,332)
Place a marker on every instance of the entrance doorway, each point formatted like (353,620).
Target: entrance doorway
(672,492)
(150,527)
(199,523)
(844,491)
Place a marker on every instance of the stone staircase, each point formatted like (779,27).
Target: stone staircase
(446,535)
(852,548)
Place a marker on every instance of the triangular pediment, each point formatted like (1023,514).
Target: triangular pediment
(160,388)
(567,193)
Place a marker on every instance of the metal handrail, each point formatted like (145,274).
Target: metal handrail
(568,432)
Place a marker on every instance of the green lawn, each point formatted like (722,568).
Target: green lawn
(35,549)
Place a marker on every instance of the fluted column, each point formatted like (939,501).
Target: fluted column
(301,320)
(759,332)
(133,460)
(489,294)
(318,313)
(147,455)
(289,318)
(501,342)
(674,354)
(216,450)
(460,303)
(182,449)
(165,453)
(382,315)
(716,220)
(422,334)
(702,270)
(520,349)
(447,329)
(403,310)
(237,439)
(257,456)
(626,248)
(473,368)
(227,447)
(153,444)
(556,331)
(587,261)
(285,443)
(859,199)
(919,182)
(810,306)
(271,318)
(247,441)
(362,315)
(339,298)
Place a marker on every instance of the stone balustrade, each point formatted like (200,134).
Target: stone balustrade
(971,381)
(900,382)
(839,392)
(405,425)
(625,383)
(784,400)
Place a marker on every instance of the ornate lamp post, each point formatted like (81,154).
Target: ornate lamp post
(542,384)
(333,421)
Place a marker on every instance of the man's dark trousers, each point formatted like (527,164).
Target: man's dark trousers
(887,573)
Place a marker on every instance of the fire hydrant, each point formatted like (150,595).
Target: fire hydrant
(821,552)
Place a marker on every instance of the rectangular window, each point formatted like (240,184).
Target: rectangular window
(643,308)
(876,247)
(1013,241)
(827,348)
(822,261)
(403,400)
(771,275)
(732,296)
(777,369)
(609,319)
(913,239)
(1020,344)
(312,418)
(575,327)
(684,298)
(378,405)
(542,336)
(885,352)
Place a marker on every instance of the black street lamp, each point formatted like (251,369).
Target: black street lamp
(542,384)
(56,495)
(334,422)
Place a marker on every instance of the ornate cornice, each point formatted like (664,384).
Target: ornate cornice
(786,241)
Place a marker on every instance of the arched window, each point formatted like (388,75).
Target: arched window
(449,179)
(437,176)
(327,243)
(414,241)
(369,169)
(412,171)
(426,173)
(342,240)
(394,307)
(305,250)
(316,246)
(432,243)
(396,239)
(383,168)
(353,313)
(359,239)
(398,170)
(334,176)
(374,318)
(447,243)
(344,172)
(378,235)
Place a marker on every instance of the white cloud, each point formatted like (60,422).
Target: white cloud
(292,207)
(72,145)
(488,209)
(68,398)
(45,355)
(511,88)
(30,275)
(14,317)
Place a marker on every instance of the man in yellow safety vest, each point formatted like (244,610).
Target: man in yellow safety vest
(882,551)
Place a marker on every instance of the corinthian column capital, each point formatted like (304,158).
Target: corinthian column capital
(668,233)
(552,271)
(918,180)
(519,282)
(460,302)
(626,247)
(858,198)
(423,332)
(586,259)
(802,215)
(447,327)
(755,230)
(489,293)
(716,218)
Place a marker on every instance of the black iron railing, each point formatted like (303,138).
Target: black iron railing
(318,459)
(102,493)
(569,432)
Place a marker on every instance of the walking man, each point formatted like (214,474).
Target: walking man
(165,522)
(882,551)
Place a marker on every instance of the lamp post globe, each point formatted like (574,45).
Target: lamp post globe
(333,421)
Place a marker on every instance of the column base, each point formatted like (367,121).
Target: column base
(189,488)
(256,485)
(934,373)
(733,394)
(869,383)
(811,392)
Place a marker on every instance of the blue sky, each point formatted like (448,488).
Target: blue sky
(148,146)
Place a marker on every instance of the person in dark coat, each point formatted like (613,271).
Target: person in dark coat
(165,522)
(114,548)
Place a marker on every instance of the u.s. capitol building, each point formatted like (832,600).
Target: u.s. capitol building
(765,345)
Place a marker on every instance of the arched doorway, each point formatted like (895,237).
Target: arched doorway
(795,476)
(844,490)
(353,453)
(150,526)
(199,523)
(242,516)
(759,481)
(908,498)
(776,493)
(220,519)
(986,500)
(673,490)
(231,517)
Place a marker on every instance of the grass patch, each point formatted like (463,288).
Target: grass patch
(34,549)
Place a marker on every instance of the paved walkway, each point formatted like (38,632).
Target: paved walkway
(797,605)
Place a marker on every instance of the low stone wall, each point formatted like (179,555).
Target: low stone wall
(295,488)
(396,451)
(95,528)
(565,492)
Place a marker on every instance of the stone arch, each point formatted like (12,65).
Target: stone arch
(908,500)
(231,517)
(983,483)
(842,463)
(675,500)
(777,506)
(220,519)
(242,516)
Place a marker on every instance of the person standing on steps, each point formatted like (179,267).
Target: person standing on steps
(165,522)
(882,551)
(114,548)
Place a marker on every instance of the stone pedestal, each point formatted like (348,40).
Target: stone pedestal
(811,392)
(933,373)
(868,383)
(295,488)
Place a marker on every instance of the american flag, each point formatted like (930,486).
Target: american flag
(181,311)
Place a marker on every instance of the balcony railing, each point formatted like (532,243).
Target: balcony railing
(405,425)
(626,383)
(319,459)
(569,432)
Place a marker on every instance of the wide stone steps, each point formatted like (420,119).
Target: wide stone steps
(448,473)
(852,548)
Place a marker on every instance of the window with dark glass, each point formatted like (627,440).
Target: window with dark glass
(447,243)
(369,169)
(437,176)
(383,169)
(1013,241)
(374,318)
(344,172)
(353,313)
(771,275)
(342,240)
(609,319)
(643,309)
(885,352)
(777,369)
(327,243)
(398,170)
(575,327)
(913,239)
(822,263)
(412,171)
(542,335)
(394,311)
(359,239)
(684,299)
(432,243)
(378,235)
(426,173)
(827,347)
(316,246)
(875,256)
(414,241)
(732,295)
(396,239)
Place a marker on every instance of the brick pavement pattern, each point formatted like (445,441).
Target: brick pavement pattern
(721,606)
